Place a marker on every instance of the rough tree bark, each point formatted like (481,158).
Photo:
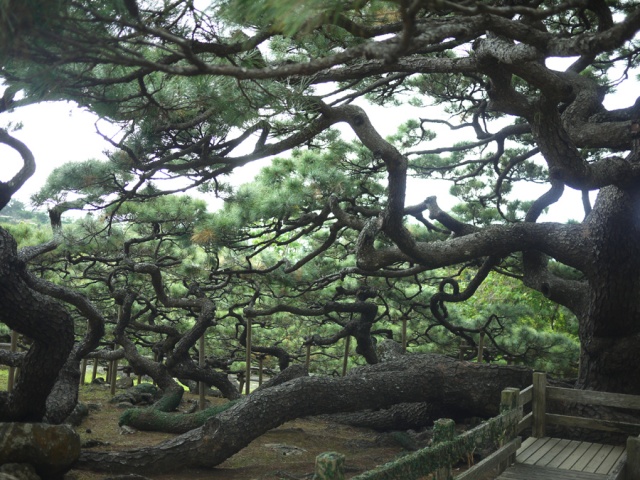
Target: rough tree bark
(152,419)
(610,320)
(402,416)
(46,323)
(471,389)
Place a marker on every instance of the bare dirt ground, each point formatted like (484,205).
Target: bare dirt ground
(287,452)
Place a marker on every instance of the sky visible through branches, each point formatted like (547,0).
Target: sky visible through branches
(60,132)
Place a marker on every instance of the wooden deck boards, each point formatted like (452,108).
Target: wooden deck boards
(521,471)
(560,459)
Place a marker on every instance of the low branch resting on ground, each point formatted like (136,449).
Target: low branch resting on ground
(472,389)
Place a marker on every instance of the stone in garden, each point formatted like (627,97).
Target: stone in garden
(51,449)
(18,471)
(125,430)
(78,414)
(125,382)
(285,450)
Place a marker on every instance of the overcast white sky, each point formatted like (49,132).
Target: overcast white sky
(59,132)
(56,133)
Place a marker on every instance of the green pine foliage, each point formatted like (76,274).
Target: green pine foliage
(195,96)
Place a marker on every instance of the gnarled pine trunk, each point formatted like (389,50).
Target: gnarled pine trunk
(50,327)
(610,325)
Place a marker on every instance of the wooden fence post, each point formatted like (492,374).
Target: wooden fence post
(201,384)
(509,399)
(508,402)
(156,358)
(240,377)
(329,466)
(83,371)
(95,370)
(114,376)
(307,359)
(347,346)
(404,335)
(12,370)
(260,369)
(248,359)
(443,431)
(481,348)
(539,407)
(633,458)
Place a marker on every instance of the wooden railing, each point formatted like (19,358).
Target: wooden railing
(503,430)
(541,418)
(497,432)
(539,394)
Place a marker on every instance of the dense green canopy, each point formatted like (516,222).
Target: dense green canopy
(323,244)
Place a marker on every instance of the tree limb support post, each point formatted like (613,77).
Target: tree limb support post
(481,347)
(83,371)
(201,385)
(113,371)
(347,346)
(404,335)
(12,370)
(113,376)
(95,370)
(248,359)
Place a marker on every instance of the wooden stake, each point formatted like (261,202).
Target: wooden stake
(347,344)
(12,370)
(201,385)
(83,371)
(481,348)
(307,360)
(248,373)
(114,376)
(114,364)
(156,358)
(404,335)
(95,369)
(261,366)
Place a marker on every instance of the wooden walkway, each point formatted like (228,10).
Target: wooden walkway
(560,459)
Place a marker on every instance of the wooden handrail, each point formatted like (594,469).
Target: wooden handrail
(591,397)
(513,400)
(543,393)
(526,395)
(489,464)
(427,460)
